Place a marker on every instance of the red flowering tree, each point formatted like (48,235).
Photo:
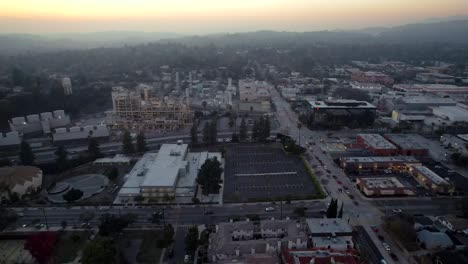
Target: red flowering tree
(41,246)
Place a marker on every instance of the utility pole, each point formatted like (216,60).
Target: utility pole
(45,218)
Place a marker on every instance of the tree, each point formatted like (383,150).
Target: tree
(300,211)
(464,207)
(234,138)
(204,104)
(243,130)
(340,214)
(127,144)
(100,250)
(191,240)
(138,199)
(112,225)
(62,159)
(167,236)
(332,209)
(209,176)
(72,195)
(213,132)
(26,154)
(41,246)
(141,142)
(93,149)
(207,133)
(255,130)
(194,134)
(112,173)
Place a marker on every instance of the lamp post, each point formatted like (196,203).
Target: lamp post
(45,218)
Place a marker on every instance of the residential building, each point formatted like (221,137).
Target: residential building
(330,233)
(383,186)
(341,113)
(409,144)
(247,238)
(10,140)
(377,144)
(398,163)
(20,180)
(41,123)
(319,256)
(431,181)
(372,77)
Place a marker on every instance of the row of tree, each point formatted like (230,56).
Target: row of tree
(127,144)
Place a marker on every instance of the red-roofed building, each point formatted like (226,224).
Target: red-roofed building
(319,256)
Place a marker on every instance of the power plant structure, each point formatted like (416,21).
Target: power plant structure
(140,110)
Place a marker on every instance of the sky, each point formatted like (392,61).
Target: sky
(213,16)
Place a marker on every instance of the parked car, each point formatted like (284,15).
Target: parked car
(375,228)
(269,209)
(355,203)
(397,211)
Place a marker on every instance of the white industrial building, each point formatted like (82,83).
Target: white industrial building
(66,135)
(40,123)
(20,180)
(156,176)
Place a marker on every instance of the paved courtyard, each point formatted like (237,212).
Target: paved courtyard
(254,173)
(89,184)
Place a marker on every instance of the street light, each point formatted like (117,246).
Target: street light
(45,218)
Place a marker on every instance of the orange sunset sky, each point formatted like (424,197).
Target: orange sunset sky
(208,16)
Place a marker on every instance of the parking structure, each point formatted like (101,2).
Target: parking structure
(265,173)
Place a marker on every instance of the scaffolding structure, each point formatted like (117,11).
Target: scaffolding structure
(139,111)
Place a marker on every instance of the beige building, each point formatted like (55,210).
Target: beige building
(253,91)
(138,110)
(20,180)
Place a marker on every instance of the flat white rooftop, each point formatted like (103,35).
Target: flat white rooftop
(434,177)
(377,141)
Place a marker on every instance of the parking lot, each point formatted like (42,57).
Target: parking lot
(254,173)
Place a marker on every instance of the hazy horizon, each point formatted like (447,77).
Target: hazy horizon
(209,16)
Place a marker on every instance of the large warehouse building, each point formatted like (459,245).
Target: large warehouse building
(409,144)
(341,113)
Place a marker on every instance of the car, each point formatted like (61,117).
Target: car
(208,212)
(328,171)
(339,182)
(269,209)
(340,190)
(325,167)
(382,261)
(355,203)
(393,256)
(380,237)
(187,259)
(347,192)
(25,225)
(397,211)
(386,246)
(345,187)
(20,214)
(334,177)
(375,228)
(351,196)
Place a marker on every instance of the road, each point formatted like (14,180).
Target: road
(359,211)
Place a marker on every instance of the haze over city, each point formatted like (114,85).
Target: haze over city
(234,131)
(212,16)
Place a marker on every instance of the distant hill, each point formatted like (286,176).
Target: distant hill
(451,31)
(22,43)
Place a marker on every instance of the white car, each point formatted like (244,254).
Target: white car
(269,209)
(397,211)
(386,246)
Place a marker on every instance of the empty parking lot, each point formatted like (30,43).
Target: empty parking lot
(254,173)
